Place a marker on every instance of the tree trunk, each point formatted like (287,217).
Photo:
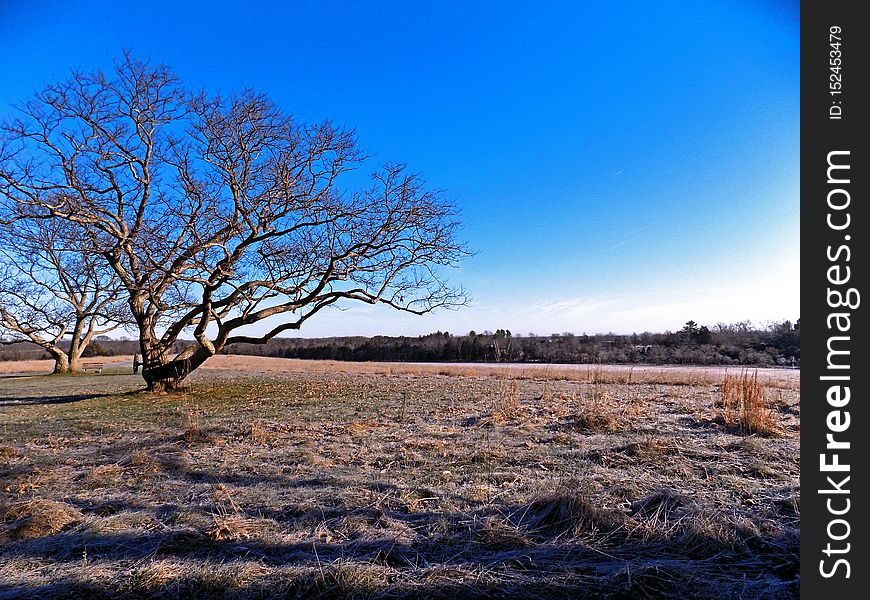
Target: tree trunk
(61,361)
(166,376)
(160,372)
(74,354)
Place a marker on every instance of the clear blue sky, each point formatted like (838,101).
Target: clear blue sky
(619,166)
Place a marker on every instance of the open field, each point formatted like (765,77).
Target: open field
(280,478)
(681,375)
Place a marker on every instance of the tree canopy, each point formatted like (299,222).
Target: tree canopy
(218,213)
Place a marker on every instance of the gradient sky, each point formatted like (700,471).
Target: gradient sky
(619,166)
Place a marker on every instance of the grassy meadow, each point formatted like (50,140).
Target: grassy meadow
(280,478)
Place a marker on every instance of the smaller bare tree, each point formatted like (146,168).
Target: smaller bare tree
(53,291)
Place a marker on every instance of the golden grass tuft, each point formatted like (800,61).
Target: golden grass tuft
(506,404)
(37,518)
(744,406)
(154,576)
(496,533)
(141,461)
(230,527)
(106,475)
(596,422)
(647,448)
(597,414)
(195,432)
(312,458)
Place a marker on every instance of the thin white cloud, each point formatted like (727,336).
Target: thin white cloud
(570,307)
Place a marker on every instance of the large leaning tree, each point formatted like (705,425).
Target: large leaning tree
(222,217)
(54,292)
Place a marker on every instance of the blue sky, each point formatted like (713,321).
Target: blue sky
(619,166)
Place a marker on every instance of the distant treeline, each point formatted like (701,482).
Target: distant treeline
(736,344)
(777,344)
(99,346)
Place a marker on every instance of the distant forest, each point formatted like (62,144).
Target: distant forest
(777,344)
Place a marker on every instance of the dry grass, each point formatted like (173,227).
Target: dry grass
(744,406)
(31,519)
(506,404)
(569,516)
(111,363)
(26,366)
(408,483)
(582,373)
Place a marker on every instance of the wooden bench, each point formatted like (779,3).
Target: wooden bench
(91,365)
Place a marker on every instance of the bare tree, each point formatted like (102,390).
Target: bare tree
(221,216)
(53,291)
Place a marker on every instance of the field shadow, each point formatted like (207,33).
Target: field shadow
(562,546)
(23,375)
(41,400)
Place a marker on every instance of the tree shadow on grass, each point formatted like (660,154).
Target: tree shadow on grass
(42,400)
